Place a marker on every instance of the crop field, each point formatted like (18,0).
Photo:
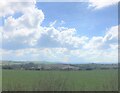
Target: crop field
(94,80)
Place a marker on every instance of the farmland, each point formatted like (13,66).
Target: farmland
(83,80)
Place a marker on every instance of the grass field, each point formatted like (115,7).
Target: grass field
(0,79)
(94,80)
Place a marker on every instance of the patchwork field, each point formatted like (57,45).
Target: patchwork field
(94,80)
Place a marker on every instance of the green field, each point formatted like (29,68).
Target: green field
(94,80)
(0,80)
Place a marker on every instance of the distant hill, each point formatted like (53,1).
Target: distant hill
(42,65)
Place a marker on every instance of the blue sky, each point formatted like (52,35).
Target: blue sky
(79,32)
(79,16)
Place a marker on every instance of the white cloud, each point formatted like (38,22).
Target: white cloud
(12,6)
(61,55)
(112,34)
(23,30)
(52,37)
(35,54)
(26,31)
(30,19)
(94,43)
(20,32)
(53,23)
(98,4)
(97,56)
(25,39)
(104,42)
(49,41)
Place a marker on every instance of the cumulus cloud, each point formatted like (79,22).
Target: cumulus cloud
(97,49)
(109,40)
(22,31)
(52,37)
(26,31)
(12,6)
(112,35)
(24,38)
(25,35)
(98,4)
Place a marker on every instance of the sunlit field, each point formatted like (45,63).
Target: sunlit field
(94,80)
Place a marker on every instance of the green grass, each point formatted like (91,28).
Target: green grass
(0,80)
(95,80)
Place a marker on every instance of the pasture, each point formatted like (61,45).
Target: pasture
(28,80)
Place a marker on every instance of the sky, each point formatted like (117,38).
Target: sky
(67,32)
